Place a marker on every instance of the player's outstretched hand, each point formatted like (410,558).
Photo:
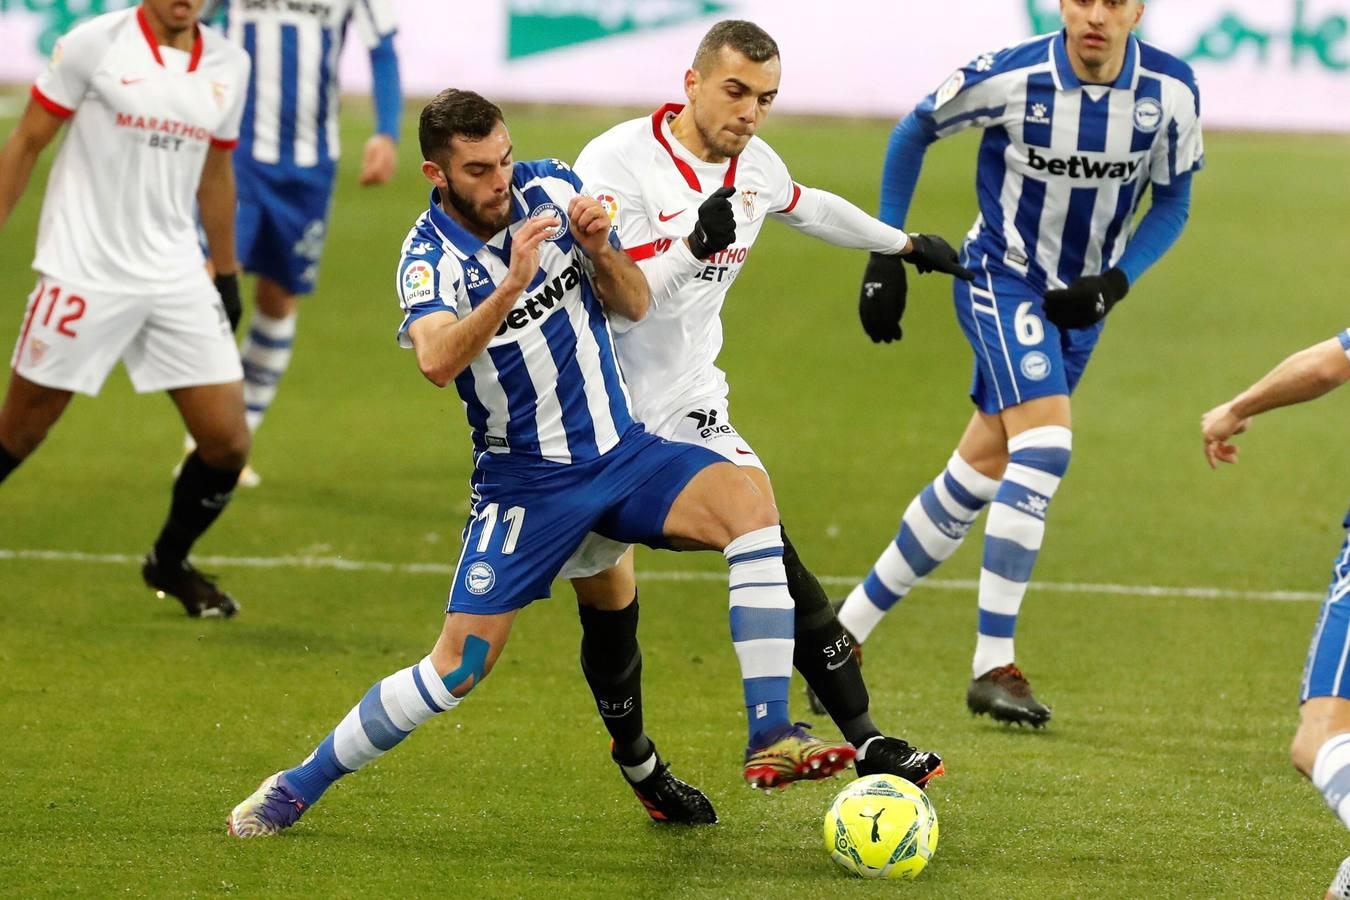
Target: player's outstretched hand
(590,224)
(881,302)
(930,253)
(379,160)
(1087,301)
(525,251)
(716,227)
(228,288)
(1218,426)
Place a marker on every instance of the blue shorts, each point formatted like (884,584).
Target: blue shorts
(283,221)
(1019,354)
(527,521)
(1327,672)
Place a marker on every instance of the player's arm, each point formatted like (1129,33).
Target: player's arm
(21,151)
(620,284)
(379,161)
(446,344)
(1306,375)
(215,209)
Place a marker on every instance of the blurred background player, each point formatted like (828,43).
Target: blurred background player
(687,190)
(504,282)
(1321,748)
(1078,126)
(287,160)
(154,103)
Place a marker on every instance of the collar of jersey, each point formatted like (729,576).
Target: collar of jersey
(1067,80)
(685,168)
(193,60)
(470,244)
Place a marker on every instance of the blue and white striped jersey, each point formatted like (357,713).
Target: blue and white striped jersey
(548,386)
(1063,165)
(291,116)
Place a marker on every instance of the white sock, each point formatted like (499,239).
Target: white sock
(266,354)
(1331,775)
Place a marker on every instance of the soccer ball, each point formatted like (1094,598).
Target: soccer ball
(881,826)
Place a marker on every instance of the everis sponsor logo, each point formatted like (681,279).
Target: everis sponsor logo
(541,26)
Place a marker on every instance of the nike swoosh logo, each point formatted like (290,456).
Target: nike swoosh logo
(132,80)
(744,452)
(666,218)
(833,666)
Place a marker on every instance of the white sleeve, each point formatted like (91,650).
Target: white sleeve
(834,220)
(1180,148)
(226,134)
(62,88)
(375,20)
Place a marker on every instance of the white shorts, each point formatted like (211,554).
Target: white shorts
(706,425)
(71,338)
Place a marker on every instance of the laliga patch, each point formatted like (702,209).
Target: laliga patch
(480,578)
(418,279)
(1148,115)
(551,210)
(1036,366)
(950,88)
(610,204)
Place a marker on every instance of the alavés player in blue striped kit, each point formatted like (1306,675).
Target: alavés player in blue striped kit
(287,159)
(504,283)
(1321,748)
(1078,127)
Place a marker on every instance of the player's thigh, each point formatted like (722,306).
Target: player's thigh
(1037,413)
(468,648)
(186,341)
(520,532)
(610,589)
(1018,352)
(275,299)
(214,416)
(719,505)
(71,338)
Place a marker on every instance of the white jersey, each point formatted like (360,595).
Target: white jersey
(652,187)
(121,204)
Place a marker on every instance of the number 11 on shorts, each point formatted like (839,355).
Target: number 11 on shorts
(514,519)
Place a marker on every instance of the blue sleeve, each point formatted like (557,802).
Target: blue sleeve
(900,173)
(388,90)
(1159,229)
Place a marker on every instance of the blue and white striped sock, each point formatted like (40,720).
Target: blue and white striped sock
(1331,775)
(266,354)
(932,528)
(1037,460)
(761,628)
(385,716)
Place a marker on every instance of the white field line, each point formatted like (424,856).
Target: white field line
(356,565)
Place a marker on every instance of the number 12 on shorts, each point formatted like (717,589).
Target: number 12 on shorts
(514,518)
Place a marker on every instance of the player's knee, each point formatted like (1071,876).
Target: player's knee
(228,450)
(1303,749)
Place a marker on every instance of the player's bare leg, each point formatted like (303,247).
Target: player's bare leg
(27,415)
(611,660)
(721,509)
(214,416)
(466,651)
(1321,752)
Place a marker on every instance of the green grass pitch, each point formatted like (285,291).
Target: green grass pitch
(127,731)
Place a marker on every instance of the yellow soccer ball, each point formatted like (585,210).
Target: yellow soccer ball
(881,826)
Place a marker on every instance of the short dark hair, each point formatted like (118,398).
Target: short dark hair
(746,38)
(455,113)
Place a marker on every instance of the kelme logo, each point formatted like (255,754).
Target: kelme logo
(541,26)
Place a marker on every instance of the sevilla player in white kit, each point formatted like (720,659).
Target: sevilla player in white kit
(688,189)
(153,101)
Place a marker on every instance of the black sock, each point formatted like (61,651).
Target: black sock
(612,663)
(823,652)
(199,496)
(8,462)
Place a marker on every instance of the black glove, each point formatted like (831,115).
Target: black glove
(228,288)
(1087,301)
(716,227)
(881,302)
(930,253)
